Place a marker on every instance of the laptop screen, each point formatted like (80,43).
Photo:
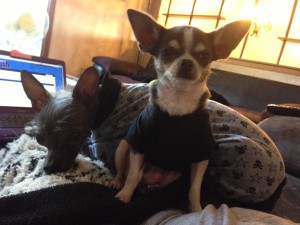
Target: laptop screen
(51,73)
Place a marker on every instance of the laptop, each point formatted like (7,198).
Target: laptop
(15,107)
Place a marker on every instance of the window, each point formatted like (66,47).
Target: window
(24,25)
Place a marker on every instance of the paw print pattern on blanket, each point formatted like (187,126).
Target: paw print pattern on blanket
(247,166)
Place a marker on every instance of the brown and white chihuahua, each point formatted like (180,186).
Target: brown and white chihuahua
(182,59)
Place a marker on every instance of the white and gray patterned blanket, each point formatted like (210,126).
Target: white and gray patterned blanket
(21,169)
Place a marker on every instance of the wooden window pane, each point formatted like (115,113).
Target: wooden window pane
(230,13)
(295,28)
(181,7)
(205,7)
(266,46)
(177,7)
(236,10)
(291,55)
(204,25)
(209,11)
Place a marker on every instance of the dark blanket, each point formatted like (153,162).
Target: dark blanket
(82,204)
(76,197)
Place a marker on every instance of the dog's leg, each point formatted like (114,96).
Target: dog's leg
(121,163)
(134,176)
(197,174)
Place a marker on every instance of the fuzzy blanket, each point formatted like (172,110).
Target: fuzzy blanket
(21,169)
(78,197)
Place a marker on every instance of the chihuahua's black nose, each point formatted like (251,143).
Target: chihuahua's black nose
(186,69)
(186,64)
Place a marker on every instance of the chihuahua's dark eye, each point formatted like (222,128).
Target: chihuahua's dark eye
(75,136)
(203,57)
(168,53)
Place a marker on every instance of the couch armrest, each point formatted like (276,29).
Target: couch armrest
(117,66)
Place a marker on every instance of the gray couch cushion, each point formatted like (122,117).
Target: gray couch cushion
(288,203)
(285,132)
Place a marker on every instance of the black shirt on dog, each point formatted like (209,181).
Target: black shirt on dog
(171,142)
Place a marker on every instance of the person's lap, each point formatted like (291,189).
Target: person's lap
(247,167)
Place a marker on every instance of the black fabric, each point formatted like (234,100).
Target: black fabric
(108,95)
(172,142)
(144,77)
(86,203)
(91,204)
(215,96)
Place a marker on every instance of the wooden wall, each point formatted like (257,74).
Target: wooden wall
(83,29)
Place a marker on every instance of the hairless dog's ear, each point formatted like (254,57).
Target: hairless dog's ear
(87,87)
(227,38)
(34,90)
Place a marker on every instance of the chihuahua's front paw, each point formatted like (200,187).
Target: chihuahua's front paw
(115,184)
(124,196)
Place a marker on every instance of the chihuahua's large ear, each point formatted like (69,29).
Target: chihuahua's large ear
(34,90)
(87,86)
(227,38)
(145,29)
